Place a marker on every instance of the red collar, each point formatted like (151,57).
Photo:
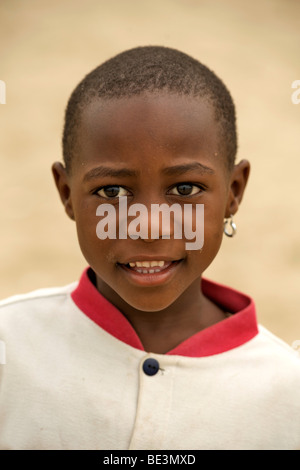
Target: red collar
(220,337)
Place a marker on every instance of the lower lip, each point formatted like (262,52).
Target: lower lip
(151,279)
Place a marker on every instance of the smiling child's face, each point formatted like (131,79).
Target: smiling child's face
(153,149)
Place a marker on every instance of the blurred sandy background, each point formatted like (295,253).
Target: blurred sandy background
(46,49)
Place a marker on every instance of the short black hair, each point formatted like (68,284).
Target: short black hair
(151,69)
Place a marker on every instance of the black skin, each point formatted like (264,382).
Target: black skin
(148,134)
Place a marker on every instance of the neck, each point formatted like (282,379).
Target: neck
(161,331)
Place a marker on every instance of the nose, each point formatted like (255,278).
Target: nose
(154,221)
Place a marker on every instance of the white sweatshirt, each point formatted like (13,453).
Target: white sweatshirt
(74,379)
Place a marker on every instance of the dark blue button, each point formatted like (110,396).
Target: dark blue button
(151,366)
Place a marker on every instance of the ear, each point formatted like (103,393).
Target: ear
(238,182)
(62,183)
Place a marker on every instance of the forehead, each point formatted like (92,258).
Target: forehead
(157,125)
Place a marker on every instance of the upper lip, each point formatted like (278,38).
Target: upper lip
(135,258)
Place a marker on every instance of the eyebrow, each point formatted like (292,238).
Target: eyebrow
(102,171)
(181,169)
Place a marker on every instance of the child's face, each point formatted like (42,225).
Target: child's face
(146,148)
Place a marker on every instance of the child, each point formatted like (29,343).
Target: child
(142,352)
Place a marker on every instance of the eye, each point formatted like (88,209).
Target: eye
(112,191)
(185,189)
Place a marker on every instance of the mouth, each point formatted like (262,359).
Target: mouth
(152,272)
(149,267)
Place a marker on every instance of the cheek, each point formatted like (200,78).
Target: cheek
(99,254)
(213,232)
(91,246)
(86,223)
(213,236)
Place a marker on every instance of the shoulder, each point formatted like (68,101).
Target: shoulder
(275,344)
(19,310)
(275,360)
(33,322)
(36,296)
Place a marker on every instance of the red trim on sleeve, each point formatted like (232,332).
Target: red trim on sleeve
(220,337)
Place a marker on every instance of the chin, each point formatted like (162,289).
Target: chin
(150,303)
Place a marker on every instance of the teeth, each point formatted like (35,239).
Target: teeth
(147,264)
(143,264)
(148,271)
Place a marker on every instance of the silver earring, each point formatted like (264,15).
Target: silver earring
(232,226)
